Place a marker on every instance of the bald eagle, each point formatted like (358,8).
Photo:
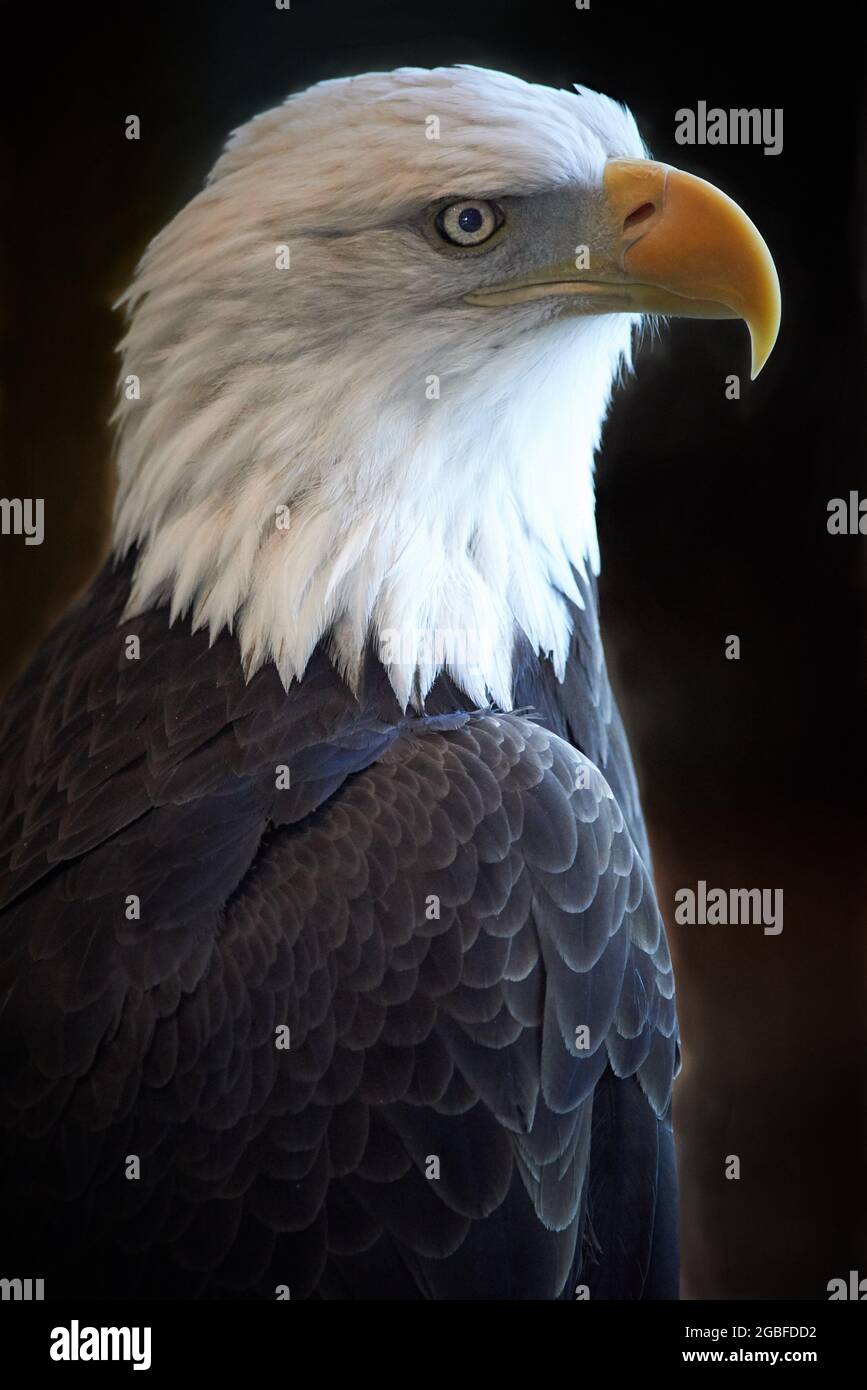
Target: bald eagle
(331,961)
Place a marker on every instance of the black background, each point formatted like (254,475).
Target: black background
(712,513)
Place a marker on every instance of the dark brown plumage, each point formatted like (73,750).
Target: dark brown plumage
(413,1036)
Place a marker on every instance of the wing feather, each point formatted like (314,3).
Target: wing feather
(435,909)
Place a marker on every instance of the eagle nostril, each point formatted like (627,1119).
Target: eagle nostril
(640,215)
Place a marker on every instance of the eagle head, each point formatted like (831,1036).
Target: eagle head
(374,356)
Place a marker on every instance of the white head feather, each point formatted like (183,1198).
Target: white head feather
(436,527)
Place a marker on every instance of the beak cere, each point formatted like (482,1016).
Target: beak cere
(669,243)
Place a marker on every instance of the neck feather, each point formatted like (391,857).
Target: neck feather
(442,531)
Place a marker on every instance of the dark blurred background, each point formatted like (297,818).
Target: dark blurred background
(712,512)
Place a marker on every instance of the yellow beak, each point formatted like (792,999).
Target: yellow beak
(666,243)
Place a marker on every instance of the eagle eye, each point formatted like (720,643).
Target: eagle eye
(469,222)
